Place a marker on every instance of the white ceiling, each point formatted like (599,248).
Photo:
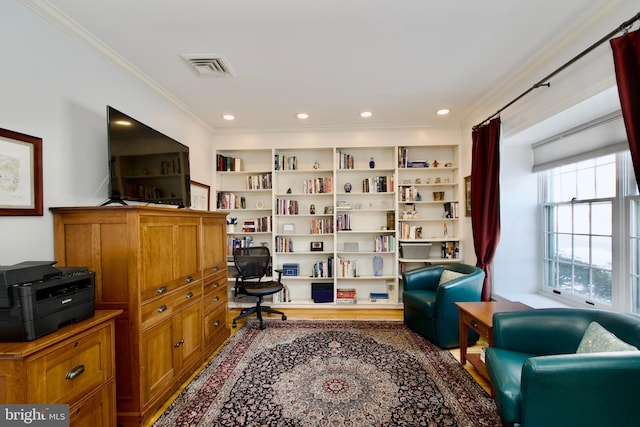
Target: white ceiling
(401,59)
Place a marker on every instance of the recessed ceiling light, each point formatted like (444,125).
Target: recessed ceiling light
(122,122)
(228,117)
(443,112)
(366,114)
(302,115)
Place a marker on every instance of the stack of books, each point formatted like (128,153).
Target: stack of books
(379,297)
(346,296)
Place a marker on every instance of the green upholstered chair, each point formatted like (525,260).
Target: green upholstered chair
(429,297)
(540,379)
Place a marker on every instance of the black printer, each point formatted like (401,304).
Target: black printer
(37,298)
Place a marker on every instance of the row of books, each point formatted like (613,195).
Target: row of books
(385,243)
(238,242)
(323,184)
(284,244)
(451,210)
(286,207)
(347,268)
(283,163)
(259,182)
(344,160)
(228,163)
(343,221)
(323,268)
(231,201)
(378,184)
(253,225)
(321,226)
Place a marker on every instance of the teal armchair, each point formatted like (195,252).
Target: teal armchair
(539,379)
(429,306)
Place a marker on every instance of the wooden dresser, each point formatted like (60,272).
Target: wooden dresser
(166,269)
(74,365)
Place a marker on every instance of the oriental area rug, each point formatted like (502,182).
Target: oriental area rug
(331,373)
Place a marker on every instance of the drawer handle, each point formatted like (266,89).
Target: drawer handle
(74,372)
(178,344)
(474,323)
(216,299)
(215,269)
(162,289)
(216,323)
(189,295)
(162,308)
(189,279)
(216,285)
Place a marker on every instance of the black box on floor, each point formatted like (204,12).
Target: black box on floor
(322,292)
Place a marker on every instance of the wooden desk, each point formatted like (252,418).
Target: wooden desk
(479,317)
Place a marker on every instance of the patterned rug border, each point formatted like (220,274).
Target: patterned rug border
(472,404)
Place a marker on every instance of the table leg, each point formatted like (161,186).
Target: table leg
(464,341)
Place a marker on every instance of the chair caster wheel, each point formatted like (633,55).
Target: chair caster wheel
(263,327)
(233,325)
(284,317)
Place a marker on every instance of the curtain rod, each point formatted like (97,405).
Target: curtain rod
(623,27)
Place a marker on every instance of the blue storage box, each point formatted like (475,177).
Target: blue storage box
(322,292)
(290,269)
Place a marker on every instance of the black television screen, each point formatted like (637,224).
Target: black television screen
(145,165)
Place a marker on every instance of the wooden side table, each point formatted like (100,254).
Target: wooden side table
(479,317)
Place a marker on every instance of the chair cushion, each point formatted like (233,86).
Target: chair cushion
(261,288)
(597,339)
(425,301)
(505,370)
(448,275)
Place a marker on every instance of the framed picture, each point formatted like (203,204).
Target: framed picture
(20,174)
(288,228)
(200,195)
(467,195)
(317,246)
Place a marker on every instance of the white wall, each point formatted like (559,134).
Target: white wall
(56,89)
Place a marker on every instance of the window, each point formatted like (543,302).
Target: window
(583,226)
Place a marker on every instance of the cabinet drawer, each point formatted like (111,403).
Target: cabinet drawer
(163,308)
(96,410)
(215,326)
(215,281)
(170,286)
(215,298)
(215,270)
(68,371)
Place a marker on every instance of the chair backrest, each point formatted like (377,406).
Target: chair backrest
(252,262)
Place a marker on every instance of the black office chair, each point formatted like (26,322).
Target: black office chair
(252,264)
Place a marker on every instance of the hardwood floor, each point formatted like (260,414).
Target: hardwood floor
(344,314)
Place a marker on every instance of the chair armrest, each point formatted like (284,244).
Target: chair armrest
(422,279)
(594,389)
(280,272)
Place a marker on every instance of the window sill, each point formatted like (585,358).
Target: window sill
(532,300)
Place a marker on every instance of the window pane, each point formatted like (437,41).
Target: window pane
(581,280)
(606,181)
(586,184)
(565,251)
(602,284)
(601,218)
(568,189)
(581,218)
(564,219)
(601,252)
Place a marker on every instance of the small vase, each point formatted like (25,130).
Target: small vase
(231,228)
(372,163)
(378,264)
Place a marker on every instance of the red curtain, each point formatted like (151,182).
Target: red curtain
(626,59)
(485,197)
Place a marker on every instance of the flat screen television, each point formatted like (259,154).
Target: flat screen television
(145,165)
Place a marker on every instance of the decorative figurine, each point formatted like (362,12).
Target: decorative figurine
(435,163)
(348,187)
(312,209)
(316,165)
(372,163)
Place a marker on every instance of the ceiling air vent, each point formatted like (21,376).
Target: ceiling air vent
(209,65)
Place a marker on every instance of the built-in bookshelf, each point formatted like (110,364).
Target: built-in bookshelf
(345,219)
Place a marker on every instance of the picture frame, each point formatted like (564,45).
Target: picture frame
(317,246)
(21,163)
(288,228)
(467,195)
(200,196)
